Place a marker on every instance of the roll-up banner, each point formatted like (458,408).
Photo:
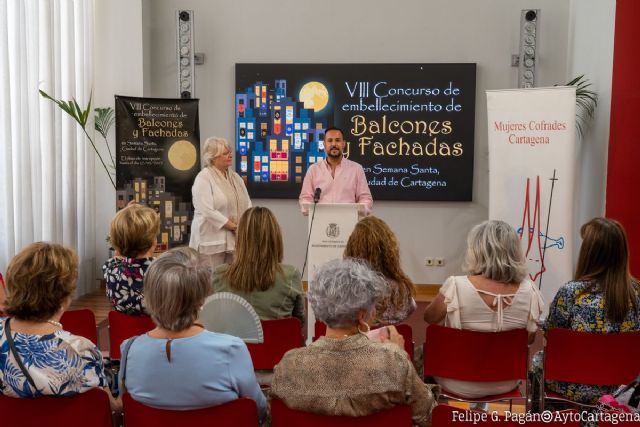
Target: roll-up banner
(532,177)
(157,159)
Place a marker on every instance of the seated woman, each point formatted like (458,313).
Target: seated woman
(3,295)
(495,296)
(179,365)
(37,357)
(373,241)
(133,234)
(257,273)
(343,372)
(603,298)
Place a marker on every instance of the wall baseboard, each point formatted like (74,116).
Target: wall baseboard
(424,292)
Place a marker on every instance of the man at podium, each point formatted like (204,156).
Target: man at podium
(335,179)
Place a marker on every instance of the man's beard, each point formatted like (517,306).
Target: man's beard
(334,156)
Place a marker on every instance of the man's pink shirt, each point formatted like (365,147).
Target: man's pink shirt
(348,186)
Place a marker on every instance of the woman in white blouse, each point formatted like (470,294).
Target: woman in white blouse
(220,198)
(495,296)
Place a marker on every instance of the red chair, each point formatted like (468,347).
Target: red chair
(82,323)
(445,415)
(283,416)
(122,327)
(241,412)
(280,336)
(477,356)
(589,358)
(320,329)
(90,408)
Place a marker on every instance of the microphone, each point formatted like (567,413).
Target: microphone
(316,199)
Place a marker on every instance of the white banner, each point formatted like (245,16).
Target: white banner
(532,169)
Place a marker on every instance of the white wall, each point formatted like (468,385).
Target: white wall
(591,54)
(484,32)
(575,37)
(118,50)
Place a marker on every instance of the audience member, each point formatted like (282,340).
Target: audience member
(495,296)
(602,298)
(373,241)
(133,234)
(257,273)
(3,295)
(219,198)
(37,357)
(179,365)
(343,372)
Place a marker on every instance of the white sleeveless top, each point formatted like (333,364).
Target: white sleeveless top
(467,310)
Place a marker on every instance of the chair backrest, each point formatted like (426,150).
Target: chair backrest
(81,322)
(122,327)
(476,356)
(283,416)
(445,415)
(320,329)
(407,333)
(90,408)
(591,358)
(280,336)
(241,412)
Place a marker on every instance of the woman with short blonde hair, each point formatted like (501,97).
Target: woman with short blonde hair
(179,365)
(133,234)
(220,198)
(257,273)
(37,356)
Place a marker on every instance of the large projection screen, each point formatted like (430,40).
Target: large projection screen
(411,126)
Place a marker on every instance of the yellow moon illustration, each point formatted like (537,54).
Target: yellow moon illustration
(182,155)
(314,95)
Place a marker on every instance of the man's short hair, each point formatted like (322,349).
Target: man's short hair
(330,128)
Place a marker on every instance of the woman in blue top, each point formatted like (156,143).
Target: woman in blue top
(179,365)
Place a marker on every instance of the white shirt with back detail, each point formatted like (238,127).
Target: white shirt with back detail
(466,309)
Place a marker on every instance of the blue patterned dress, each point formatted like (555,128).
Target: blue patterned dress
(124,278)
(61,364)
(579,305)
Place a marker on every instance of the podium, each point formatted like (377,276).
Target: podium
(332,226)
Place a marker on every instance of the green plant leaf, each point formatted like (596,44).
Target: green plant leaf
(104,119)
(586,102)
(79,114)
(81,117)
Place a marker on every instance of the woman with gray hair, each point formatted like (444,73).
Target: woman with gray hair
(496,295)
(179,365)
(344,372)
(219,198)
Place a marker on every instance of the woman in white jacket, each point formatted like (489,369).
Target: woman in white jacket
(220,198)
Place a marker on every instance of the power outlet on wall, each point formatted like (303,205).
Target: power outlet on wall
(429,261)
(439,262)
